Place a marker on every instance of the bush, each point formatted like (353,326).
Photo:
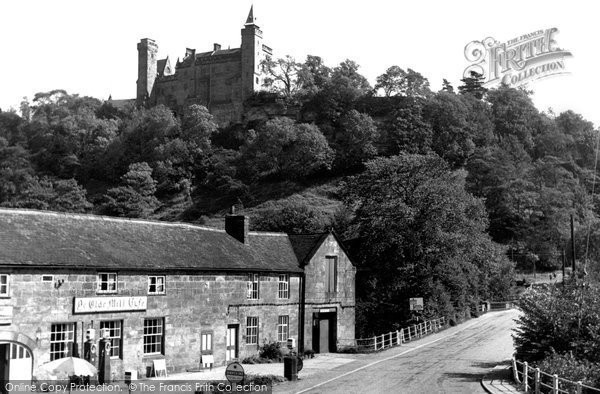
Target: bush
(264,379)
(566,366)
(559,320)
(271,351)
(309,353)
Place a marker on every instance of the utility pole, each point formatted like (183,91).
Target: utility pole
(573,244)
(563,266)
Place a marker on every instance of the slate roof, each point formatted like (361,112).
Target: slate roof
(31,238)
(306,245)
(188,61)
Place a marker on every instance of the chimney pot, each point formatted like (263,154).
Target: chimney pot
(217,47)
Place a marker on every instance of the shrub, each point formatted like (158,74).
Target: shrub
(264,379)
(559,320)
(566,366)
(309,353)
(271,351)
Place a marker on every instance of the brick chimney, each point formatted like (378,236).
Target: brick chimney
(237,226)
(217,47)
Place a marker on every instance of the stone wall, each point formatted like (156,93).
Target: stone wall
(317,297)
(193,303)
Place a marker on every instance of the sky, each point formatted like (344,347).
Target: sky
(89,47)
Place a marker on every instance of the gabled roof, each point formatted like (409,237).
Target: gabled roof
(163,65)
(306,245)
(31,238)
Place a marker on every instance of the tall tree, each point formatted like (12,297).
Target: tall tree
(473,85)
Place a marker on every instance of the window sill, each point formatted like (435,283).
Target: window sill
(153,356)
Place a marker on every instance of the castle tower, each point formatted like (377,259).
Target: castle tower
(147,69)
(252,55)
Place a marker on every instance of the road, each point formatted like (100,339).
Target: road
(451,361)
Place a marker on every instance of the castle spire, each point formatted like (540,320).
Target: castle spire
(250,19)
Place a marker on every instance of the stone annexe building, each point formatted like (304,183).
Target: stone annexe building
(171,291)
(221,79)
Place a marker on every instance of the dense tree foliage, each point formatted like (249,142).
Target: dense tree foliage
(417,221)
(445,186)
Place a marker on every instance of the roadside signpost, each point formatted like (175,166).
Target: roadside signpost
(416,304)
(234,372)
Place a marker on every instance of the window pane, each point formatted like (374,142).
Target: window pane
(153,336)
(60,337)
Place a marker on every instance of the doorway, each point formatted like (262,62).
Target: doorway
(325,332)
(16,364)
(231,342)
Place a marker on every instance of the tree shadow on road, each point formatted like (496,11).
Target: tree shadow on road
(464,376)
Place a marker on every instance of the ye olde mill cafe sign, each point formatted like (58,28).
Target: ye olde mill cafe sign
(109,304)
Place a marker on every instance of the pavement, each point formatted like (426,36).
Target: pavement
(499,380)
(321,362)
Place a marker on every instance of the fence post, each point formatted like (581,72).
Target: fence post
(536,381)
(515,370)
(409,334)
(579,387)
(555,384)
(375,342)
(398,339)
(526,376)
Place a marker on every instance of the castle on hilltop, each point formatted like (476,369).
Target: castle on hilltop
(220,79)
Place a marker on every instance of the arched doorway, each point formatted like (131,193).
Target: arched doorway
(16,362)
(16,358)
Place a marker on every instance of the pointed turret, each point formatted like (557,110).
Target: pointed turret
(250,19)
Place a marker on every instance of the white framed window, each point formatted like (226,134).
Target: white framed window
(62,337)
(253,286)
(115,329)
(283,328)
(107,282)
(156,284)
(252,330)
(154,336)
(283,288)
(4,285)
(206,342)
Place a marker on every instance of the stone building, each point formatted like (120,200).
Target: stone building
(220,79)
(328,301)
(177,292)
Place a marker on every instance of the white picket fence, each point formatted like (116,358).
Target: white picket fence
(534,380)
(394,338)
